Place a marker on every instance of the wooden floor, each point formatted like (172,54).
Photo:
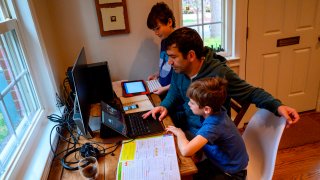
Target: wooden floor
(301,162)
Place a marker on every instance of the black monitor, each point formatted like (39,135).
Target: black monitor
(81,104)
(92,84)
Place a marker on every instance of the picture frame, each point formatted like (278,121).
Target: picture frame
(112,17)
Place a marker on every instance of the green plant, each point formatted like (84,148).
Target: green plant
(3,128)
(189,21)
(215,42)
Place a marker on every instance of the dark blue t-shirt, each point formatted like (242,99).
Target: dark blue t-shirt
(165,70)
(225,147)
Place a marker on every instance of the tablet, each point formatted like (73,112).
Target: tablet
(133,88)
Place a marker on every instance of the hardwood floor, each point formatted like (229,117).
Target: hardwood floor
(302,162)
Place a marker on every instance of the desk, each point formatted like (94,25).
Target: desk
(108,163)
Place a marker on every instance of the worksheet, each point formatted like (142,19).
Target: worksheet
(149,158)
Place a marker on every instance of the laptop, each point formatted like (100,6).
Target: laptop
(129,125)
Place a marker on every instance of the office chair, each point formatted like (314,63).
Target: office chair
(240,108)
(262,137)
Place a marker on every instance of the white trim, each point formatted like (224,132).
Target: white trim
(240,34)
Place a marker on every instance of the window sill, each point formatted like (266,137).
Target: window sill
(233,58)
(34,161)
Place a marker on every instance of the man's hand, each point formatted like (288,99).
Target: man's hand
(159,109)
(289,113)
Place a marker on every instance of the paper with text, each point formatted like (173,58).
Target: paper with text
(152,158)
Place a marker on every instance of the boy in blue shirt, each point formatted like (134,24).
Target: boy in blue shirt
(161,20)
(218,137)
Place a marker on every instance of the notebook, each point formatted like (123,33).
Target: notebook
(129,125)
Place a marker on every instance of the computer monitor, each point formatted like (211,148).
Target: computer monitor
(81,104)
(92,84)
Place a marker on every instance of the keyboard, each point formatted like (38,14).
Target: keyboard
(153,85)
(138,126)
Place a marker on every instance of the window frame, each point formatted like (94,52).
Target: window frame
(228,28)
(36,139)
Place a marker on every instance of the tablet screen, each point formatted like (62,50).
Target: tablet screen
(134,87)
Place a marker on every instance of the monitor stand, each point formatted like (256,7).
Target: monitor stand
(83,129)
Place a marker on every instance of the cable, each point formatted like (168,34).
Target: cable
(66,130)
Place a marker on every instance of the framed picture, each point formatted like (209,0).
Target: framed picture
(112,17)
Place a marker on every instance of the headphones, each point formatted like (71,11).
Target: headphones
(85,150)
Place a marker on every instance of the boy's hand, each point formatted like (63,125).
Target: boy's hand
(160,90)
(174,130)
(153,76)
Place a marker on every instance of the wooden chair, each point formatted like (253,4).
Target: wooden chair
(240,108)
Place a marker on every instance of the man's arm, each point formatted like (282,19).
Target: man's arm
(242,91)
(173,93)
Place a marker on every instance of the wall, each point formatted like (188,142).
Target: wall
(66,26)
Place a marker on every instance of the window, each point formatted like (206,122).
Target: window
(212,19)
(19,103)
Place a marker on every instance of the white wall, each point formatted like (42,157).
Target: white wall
(66,26)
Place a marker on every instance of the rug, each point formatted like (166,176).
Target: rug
(306,131)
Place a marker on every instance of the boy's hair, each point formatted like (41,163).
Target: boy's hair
(210,91)
(186,39)
(160,12)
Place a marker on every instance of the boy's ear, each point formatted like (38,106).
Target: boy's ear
(207,110)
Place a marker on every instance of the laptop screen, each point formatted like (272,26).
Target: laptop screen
(114,119)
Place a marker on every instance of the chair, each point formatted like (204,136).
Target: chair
(240,108)
(262,137)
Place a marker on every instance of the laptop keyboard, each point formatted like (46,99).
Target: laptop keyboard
(138,125)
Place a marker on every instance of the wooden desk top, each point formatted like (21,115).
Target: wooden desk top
(108,163)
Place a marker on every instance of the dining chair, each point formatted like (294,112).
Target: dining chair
(262,137)
(240,108)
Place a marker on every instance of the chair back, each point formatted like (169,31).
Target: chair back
(262,137)
(240,108)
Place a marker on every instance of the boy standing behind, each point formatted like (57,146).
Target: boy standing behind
(162,22)
(218,137)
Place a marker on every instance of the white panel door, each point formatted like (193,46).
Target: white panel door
(290,73)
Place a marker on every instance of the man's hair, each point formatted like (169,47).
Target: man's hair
(210,91)
(186,39)
(162,13)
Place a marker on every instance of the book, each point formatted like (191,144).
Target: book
(150,158)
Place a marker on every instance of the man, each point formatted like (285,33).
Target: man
(186,56)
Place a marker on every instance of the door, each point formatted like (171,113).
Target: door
(283,50)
